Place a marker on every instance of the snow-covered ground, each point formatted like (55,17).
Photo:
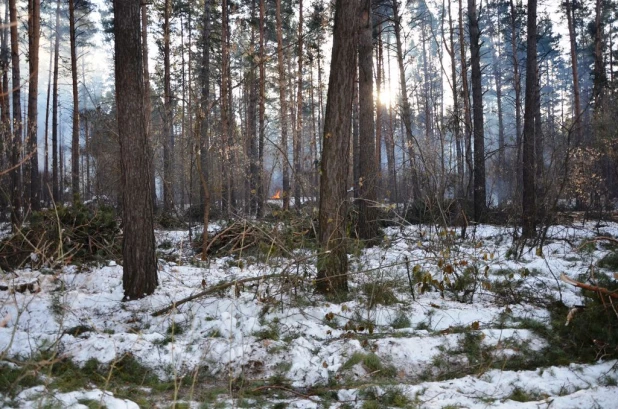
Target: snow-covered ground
(273,343)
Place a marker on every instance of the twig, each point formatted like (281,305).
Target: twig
(283,388)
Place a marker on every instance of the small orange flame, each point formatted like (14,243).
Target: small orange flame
(277,195)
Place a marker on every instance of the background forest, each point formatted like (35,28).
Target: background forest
(240,102)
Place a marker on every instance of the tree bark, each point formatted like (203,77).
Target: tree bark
(332,276)
(139,262)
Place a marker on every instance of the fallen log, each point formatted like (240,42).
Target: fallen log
(589,287)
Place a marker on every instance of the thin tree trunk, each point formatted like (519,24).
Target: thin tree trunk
(600,78)
(75,131)
(5,116)
(16,175)
(379,110)
(529,189)
(252,138)
(147,98)
(168,195)
(406,109)
(204,125)
(262,114)
(55,147)
(480,203)
(466,99)
(577,121)
(46,187)
(34,34)
(502,168)
(283,115)
(299,113)
(450,49)
(225,121)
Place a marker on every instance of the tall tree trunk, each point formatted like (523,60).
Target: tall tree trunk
(55,148)
(515,32)
(355,152)
(577,122)
(75,133)
(299,113)
(262,113)
(368,176)
(147,97)
(480,202)
(389,138)
(600,78)
(34,34)
(501,142)
(406,109)
(379,111)
(204,124)
(283,113)
(5,115)
(16,175)
(450,49)
(139,263)
(46,186)
(251,131)
(168,129)
(466,100)
(332,266)
(225,108)
(529,189)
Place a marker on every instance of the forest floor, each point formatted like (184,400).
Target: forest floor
(431,321)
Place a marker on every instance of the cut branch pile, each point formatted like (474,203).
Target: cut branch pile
(75,234)
(273,239)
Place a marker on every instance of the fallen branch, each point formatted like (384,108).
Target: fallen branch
(595,239)
(216,288)
(589,287)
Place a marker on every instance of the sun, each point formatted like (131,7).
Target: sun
(387,97)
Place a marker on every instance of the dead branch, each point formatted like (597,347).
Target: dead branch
(589,287)
(214,289)
(595,239)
